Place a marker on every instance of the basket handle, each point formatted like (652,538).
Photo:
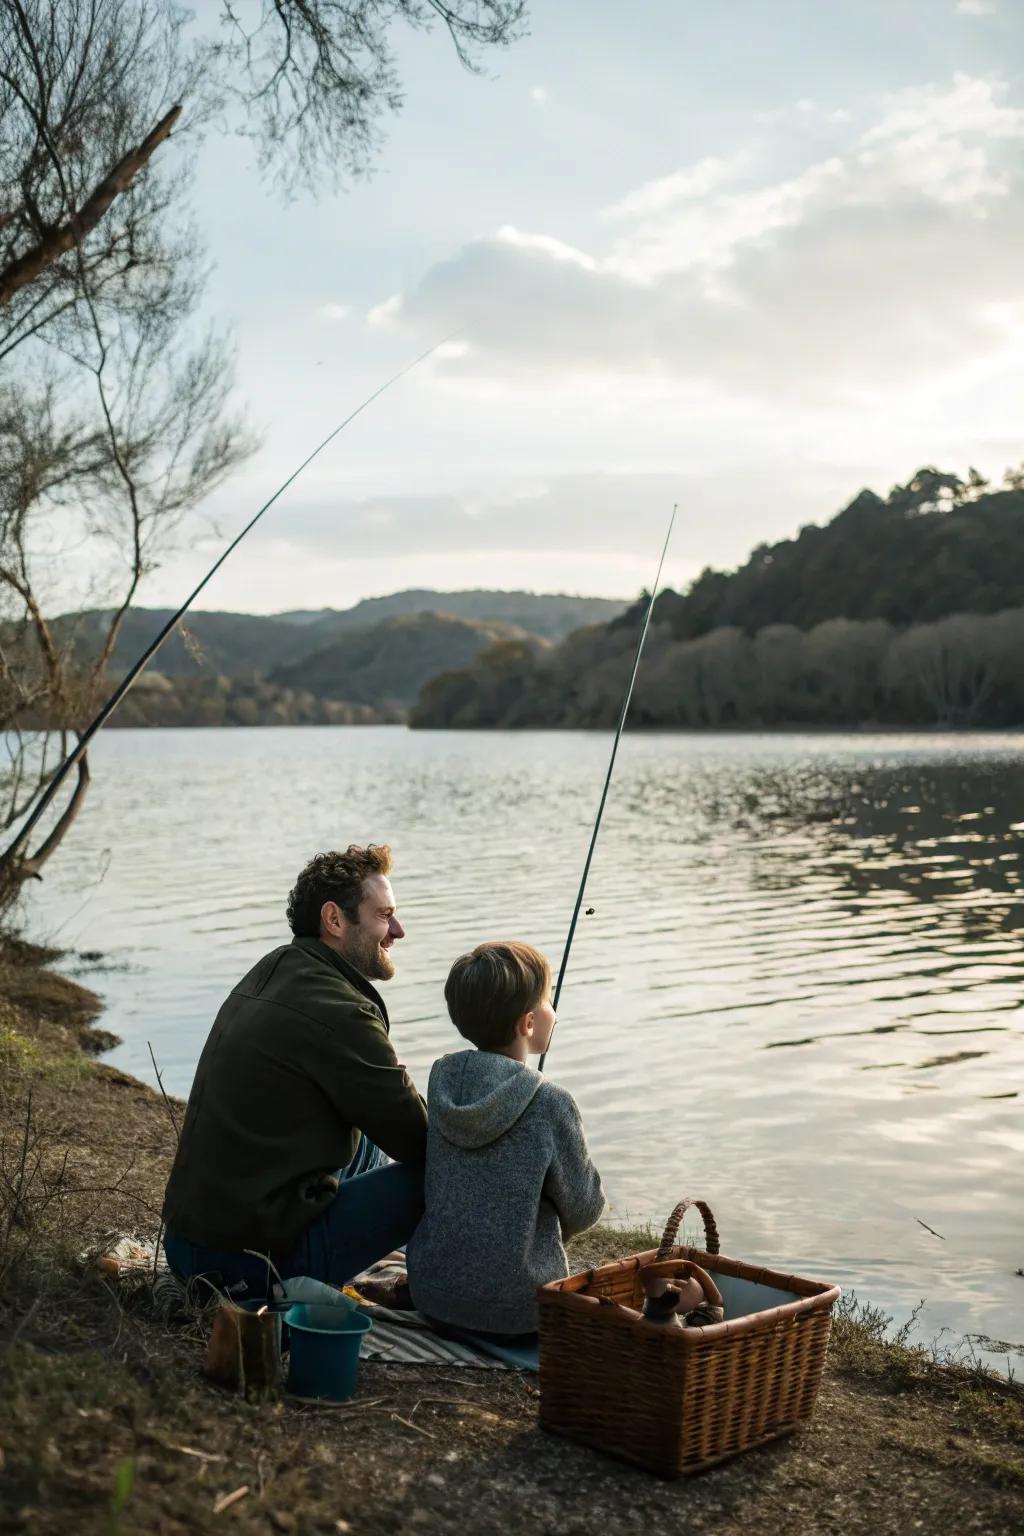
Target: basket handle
(671,1232)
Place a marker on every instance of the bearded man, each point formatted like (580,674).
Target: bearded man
(297,1098)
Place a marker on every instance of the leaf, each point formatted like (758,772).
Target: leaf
(124,1482)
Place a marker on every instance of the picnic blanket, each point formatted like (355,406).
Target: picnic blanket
(138,1270)
(408,1339)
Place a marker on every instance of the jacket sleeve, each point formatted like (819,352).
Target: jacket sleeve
(573,1184)
(370,1088)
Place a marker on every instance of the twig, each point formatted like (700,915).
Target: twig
(410,1425)
(928,1228)
(160,1081)
(23,1323)
(183,1450)
(463,1402)
(226,1500)
(320,1402)
(156,1252)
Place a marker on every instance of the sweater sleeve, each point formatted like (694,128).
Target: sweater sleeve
(573,1184)
(370,1087)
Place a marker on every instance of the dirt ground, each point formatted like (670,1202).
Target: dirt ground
(106,1424)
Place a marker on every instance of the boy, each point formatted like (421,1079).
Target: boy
(508,1175)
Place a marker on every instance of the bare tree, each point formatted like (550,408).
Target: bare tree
(89,91)
(950,670)
(113,410)
(113,414)
(313,78)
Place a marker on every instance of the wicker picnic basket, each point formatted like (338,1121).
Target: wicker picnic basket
(676,1400)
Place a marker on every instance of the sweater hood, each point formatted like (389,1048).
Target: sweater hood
(474,1097)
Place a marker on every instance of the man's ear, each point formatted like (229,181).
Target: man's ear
(332,919)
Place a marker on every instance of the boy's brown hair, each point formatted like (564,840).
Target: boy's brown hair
(493,986)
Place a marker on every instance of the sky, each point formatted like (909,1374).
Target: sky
(748,257)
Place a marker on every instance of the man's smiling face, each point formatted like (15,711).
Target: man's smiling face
(367,944)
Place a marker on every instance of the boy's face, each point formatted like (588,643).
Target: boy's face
(542,1024)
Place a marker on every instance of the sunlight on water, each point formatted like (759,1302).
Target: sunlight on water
(798,995)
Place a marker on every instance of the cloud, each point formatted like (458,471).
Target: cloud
(334,311)
(545,245)
(539,94)
(386,314)
(600,516)
(976,7)
(696,181)
(893,257)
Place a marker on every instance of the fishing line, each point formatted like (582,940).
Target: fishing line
(75,756)
(608,777)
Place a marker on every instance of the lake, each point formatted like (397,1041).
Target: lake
(798,995)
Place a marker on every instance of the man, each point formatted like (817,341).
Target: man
(296,1090)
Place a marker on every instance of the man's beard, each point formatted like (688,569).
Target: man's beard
(368,957)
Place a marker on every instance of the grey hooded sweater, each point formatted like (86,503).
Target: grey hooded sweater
(508,1177)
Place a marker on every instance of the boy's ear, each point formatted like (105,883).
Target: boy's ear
(525,1025)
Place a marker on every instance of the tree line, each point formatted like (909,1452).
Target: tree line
(961,671)
(935,546)
(907,610)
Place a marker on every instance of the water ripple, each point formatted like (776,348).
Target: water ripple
(772,914)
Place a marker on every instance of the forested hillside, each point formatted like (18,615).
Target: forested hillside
(935,546)
(386,666)
(903,611)
(237,644)
(350,666)
(550,614)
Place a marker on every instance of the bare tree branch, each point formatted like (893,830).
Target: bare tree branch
(55,242)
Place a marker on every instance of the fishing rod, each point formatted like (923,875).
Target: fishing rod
(608,777)
(79,751)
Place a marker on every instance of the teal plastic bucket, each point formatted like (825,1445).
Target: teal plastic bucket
(325,1344)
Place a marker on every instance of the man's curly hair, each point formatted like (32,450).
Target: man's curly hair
(334,877)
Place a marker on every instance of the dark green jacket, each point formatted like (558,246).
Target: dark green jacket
(298,1062)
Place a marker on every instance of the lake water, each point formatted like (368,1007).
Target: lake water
(799,994)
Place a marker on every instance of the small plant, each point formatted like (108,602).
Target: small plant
(124,1482)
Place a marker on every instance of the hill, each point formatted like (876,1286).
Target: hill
(389,664)
(935,546)
(552,615)
(230,644)
(903,611)
(239,644)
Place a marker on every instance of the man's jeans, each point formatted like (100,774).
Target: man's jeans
(375,1210)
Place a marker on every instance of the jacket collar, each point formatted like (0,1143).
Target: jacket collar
(323,952)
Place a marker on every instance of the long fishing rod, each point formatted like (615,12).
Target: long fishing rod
(75,756)
(608,776)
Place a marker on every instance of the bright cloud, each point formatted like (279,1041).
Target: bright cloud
(334,311)
(385,314)
(889,258)
(976,7)
(697,181)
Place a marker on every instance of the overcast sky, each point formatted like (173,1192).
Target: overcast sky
(749,256)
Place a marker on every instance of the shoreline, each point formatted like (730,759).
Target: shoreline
(98,1386)
(856,728)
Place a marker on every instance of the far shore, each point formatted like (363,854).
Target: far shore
(866,728)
